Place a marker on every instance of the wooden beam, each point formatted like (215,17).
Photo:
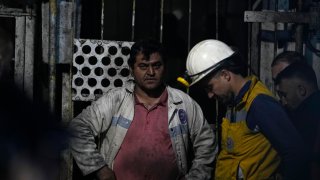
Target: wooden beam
(66,165)
(14,12)
(254,51)
(45,25)
(65,31)
(19,57)
(279,17)
(29,57)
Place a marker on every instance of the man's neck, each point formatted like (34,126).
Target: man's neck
(149,98)
(239,82)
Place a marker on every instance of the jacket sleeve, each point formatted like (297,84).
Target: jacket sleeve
(203,142)
(272,120)
(85,127)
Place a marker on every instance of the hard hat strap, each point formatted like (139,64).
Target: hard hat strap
(215,66)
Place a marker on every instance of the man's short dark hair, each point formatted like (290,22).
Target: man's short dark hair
(299,70)
(288,57)
(234,64)
(146,47)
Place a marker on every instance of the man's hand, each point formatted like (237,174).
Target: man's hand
(105,173)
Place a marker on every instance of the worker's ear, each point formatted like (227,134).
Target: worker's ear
(302,90)
(225,74)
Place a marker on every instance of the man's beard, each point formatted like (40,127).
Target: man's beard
(227,99)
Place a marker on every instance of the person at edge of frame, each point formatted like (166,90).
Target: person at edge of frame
(256,133)
(299,93)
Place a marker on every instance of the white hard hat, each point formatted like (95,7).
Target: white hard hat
(205,57)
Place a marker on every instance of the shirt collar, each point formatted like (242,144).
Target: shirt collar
(162,101)
(243,91)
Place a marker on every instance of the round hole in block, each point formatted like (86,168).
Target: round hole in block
(99,49)
(78,81)
(74,70)
(85,92)
(118,83)
(106,61)
(79,60)
(86,49)
(125,51)
(98,71)
(86,71)
(93,60)
(98,92)
(112,72)
(105,83)
(125,72)
(118,61)
(92,82)
(113,50)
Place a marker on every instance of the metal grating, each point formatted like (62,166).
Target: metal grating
(99,66)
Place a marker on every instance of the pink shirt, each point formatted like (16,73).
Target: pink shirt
(146,151)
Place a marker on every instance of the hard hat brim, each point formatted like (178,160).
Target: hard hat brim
(197,77)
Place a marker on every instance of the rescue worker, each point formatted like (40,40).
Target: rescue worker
(256,134)
(284,59)
(299,92)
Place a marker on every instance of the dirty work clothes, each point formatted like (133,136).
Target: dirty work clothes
(146,151)
(110,116)
(255,134)
(306,118)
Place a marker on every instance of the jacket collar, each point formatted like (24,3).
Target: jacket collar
(172,96)
(244,92)
(129,86)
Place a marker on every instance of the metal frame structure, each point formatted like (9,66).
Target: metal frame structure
(24,46)
(261,53)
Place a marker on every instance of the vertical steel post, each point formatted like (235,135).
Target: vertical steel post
(19,51)
(133,19)
(45,26)
(249,40)
(161,20)
(299,31)
(29,56)
(189,24)
(67,28)
(102,18)
(52,54)
(77,18)
(217,19)
(275,47)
